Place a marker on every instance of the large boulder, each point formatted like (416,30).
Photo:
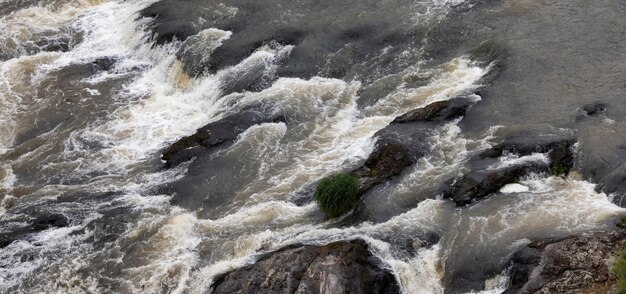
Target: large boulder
(576,264)
(339,267)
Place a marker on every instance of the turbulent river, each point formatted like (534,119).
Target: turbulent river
(93,91)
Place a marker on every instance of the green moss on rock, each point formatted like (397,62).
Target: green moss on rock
(558,169)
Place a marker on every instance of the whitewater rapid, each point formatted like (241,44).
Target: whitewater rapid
(106,156)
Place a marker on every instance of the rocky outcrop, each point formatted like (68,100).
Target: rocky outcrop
(214,135)
(439,111)
(340,267)
(403,142)
(399,145)
(476,185)
(558,146)
(384,163)
(483,179)
(577,264)
(594,109)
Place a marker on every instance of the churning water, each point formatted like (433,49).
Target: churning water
(89,97)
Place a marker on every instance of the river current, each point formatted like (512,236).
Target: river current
(92,91)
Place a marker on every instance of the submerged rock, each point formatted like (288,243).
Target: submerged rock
(213,135)
(594,109)
(576,264)
(339,267)
(37,224)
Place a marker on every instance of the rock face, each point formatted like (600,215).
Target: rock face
(340,267)
(577,264)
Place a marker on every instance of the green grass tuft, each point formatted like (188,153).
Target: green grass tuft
(337,194)
(557,169)
(620,271)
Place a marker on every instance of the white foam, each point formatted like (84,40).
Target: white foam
(514,188)
(459,76)
(511,159)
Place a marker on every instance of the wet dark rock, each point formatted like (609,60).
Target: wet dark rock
(594,109)
(304,195)
(603,157)
(37,224)
(476,185)
(436,112)
(404,141)
(384,163)
(213,135)
(410,245)
(49,221)
(527,142)
(344,267)
(104,63)
(591,110)
(576,264)
(170,21)
(525,261)
(561,158)
(481,180)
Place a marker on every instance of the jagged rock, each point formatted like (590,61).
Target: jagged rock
(481,180)
(527,142)
(37,224)
(436,112)
(339,267)
(213,135)
(404,141)
(384,163)
(476,185)
(576,264)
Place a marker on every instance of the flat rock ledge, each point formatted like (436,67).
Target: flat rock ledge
(339,267)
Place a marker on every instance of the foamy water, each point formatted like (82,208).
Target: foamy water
(135,240)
